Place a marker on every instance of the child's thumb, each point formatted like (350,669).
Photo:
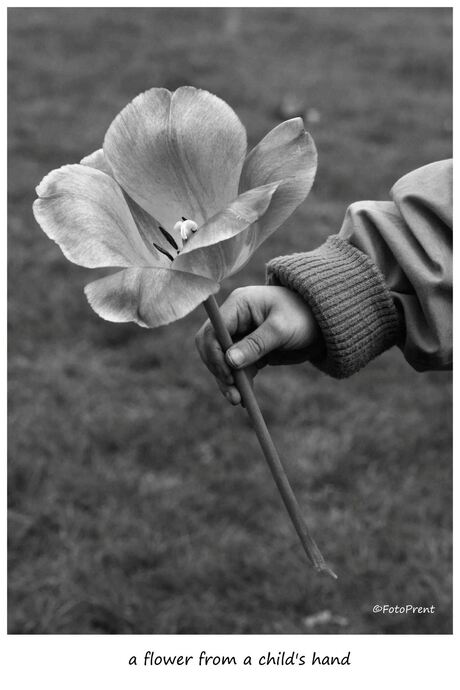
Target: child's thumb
(253,347)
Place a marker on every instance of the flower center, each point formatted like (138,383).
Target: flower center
(185,227)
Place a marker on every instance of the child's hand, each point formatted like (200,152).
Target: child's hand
(278,328)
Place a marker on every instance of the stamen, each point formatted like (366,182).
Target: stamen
(163,251)
(169,238)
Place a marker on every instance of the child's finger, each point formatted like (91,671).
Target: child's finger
(229,392)
(212,354)
(236,312)
(254,347)
(233,395)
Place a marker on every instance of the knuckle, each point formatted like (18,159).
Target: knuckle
(207,329)
(201,339)
(199,347)
(238,296)
(276,324)
(206,335)
(237,292)
(255,345)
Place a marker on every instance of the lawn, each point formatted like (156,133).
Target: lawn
(138,498)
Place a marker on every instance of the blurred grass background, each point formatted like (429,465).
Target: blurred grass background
(138,498)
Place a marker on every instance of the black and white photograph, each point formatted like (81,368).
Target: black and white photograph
(230,321)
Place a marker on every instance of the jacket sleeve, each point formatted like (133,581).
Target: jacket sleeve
(385,279)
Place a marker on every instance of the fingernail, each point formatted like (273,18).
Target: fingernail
(235,356)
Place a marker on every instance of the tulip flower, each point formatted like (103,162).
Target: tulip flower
(174,201)
(169,158)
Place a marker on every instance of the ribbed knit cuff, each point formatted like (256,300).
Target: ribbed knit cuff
(349,299)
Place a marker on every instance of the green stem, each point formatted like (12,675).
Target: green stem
(248,397)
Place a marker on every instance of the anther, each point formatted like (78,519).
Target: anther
(163,251)
(169,238)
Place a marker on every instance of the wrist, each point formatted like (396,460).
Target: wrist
(349,299)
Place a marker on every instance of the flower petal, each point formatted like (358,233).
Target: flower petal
(83,210)
(237,216)
(177,155)
(147,226)
(98,161)
(149,297)
(208,252)
(287,155)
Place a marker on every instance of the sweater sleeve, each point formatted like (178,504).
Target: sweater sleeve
(385,279)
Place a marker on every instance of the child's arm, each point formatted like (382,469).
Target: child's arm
(385,279)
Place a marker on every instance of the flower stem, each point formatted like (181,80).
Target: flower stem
(248,397)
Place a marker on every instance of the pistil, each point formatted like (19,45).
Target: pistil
(186,227)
